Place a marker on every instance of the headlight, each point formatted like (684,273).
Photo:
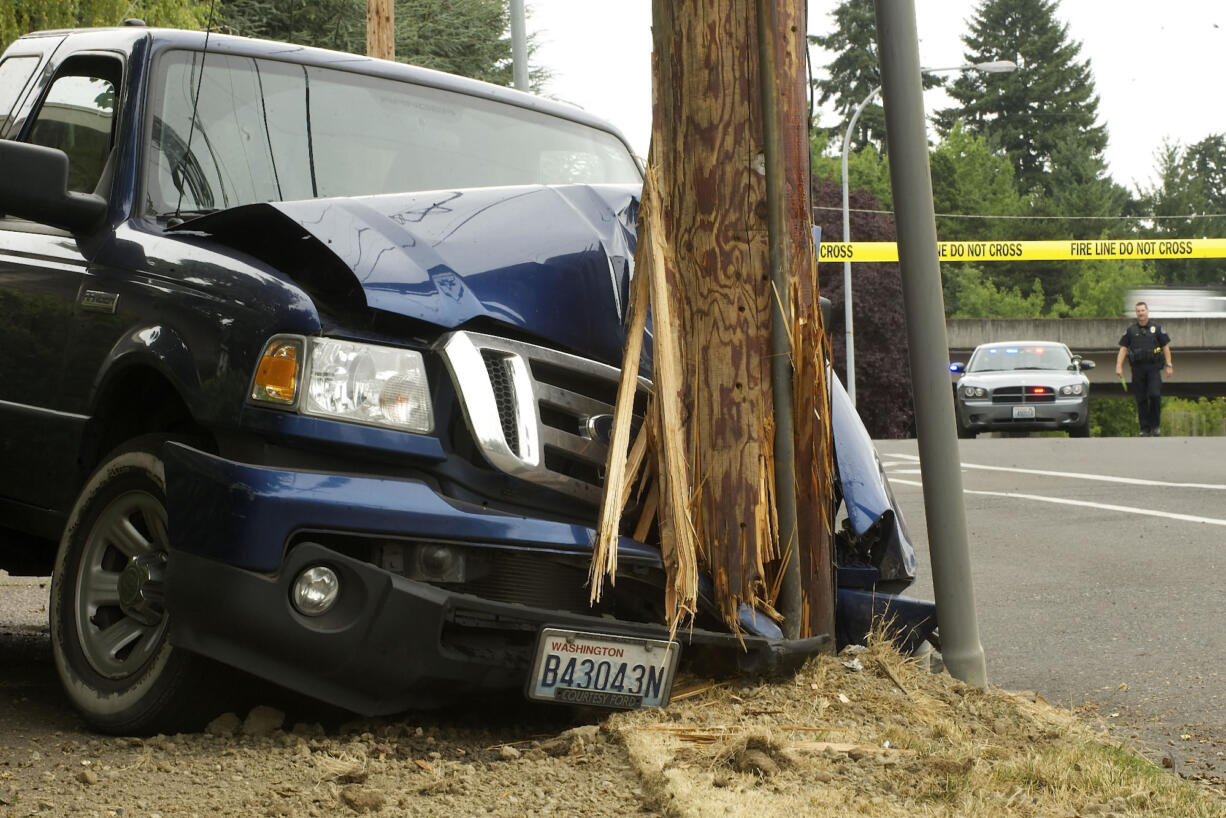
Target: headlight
(365,383)
(973,391)
(1072,389)
(361,383)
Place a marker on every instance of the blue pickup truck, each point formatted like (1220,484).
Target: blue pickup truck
(304,359)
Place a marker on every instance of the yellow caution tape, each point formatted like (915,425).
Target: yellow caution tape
(1063,250)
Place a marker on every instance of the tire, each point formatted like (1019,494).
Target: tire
(965,433)
(109,627)
(1080,431)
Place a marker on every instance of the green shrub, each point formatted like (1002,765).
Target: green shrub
(1113,417)
(1181,417)
(1203,417)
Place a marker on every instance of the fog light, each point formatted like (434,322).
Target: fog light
(436,560)
(438,563)
(315,591)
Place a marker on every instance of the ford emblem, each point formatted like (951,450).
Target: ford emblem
(597,427)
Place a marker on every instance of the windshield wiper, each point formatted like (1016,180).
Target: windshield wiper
(175,219)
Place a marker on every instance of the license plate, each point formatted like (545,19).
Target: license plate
(623,672)
(1023,412)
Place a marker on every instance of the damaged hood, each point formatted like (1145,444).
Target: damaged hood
(552,261)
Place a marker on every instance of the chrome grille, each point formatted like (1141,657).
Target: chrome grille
(504,395)
(535,413)
(1017,394)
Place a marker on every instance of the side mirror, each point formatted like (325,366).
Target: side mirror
(34,186)
(957,367)
(1080,364)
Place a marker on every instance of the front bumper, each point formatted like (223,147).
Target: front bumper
(390,643)
(985,416)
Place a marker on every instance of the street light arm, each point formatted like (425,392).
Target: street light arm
(990,67)
(996,66)
(851,126)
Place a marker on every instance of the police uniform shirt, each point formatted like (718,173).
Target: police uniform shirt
(1144,343)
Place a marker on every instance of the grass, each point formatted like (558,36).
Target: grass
(890,740)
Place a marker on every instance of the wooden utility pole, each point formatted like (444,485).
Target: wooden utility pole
(380,29)
(704,241)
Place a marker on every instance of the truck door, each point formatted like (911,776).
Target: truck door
(41,273)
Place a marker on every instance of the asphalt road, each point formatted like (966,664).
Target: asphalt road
(1098,572)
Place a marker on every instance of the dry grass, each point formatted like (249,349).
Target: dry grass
(890,740)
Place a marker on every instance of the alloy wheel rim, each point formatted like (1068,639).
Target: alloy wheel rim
(121,623)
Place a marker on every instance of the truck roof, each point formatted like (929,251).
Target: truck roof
(166,38)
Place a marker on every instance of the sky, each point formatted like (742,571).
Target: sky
(1156,66)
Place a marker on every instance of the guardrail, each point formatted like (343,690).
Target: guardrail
(1082,334)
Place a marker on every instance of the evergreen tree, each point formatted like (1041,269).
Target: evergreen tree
(466,37)
(968,178)
(1032,112)
(853,73)
(1078,186)
(19,17)
(1191,190)
(336,24)
(1044,118)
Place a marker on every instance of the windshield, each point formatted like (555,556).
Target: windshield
(276,131)
(1005,357)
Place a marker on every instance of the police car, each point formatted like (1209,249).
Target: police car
(1023,386)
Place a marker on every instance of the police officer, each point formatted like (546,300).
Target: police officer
(1146,346)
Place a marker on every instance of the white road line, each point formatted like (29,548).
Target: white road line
(1144,512)
(1134,481)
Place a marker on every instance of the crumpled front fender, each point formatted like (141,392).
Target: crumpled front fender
(872,512)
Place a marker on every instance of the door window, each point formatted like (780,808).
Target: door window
(15,73)
(77,116)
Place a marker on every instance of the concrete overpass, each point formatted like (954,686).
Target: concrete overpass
(1198,347)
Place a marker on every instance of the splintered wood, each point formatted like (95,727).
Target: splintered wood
(702,464)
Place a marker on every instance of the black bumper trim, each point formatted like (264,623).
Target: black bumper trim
(391,643)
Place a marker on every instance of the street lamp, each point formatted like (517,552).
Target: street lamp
(992,67)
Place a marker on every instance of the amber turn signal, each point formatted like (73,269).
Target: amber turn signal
(276,378)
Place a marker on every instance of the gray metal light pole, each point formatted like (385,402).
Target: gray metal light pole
(519,46)
(993,67)
(928,345)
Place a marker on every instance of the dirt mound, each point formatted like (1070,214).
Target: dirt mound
(886,739)
(871,733)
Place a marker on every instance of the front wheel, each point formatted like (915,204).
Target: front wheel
(108,617)
(1081,430)
(965,433)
